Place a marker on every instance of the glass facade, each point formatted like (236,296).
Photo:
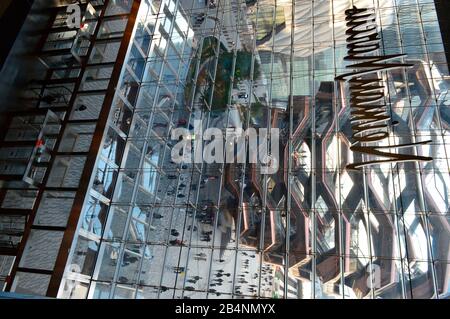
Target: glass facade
(127,221)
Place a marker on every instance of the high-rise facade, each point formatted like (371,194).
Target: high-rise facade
(94,204)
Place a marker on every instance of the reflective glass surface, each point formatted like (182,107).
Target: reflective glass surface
(152,228)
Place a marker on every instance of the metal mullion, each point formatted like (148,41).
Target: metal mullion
(49,228)
(82,122)
(90,92)
(34,271)
(113,165)
(100,197)
(313,162)
(108,40)
(62,189)
(114,17)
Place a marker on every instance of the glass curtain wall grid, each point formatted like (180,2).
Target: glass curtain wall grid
(126,221)
(48,150)
(213,230)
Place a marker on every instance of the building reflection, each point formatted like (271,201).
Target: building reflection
(93,205)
